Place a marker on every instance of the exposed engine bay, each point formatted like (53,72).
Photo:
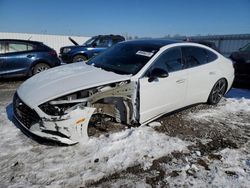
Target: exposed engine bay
(67,118)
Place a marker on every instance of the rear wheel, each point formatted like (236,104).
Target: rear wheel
(217,92)
(40,67)
(79,58)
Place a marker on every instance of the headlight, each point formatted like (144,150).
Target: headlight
(59,106)
(66,50)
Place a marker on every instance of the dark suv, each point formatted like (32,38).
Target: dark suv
(90,48)
(241,60)
(25,58)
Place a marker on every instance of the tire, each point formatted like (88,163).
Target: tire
(40,67)
(217,92)
(79,58)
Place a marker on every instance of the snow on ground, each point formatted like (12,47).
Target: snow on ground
(230,169)
(233,111)
(233,167)
(26,163)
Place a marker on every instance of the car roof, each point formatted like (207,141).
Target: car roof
(110,35)
(152,42)
(21,40)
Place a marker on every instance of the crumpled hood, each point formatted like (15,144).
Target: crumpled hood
(64,80)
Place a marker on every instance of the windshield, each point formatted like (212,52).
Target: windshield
(89,42)
(245,48)
(124,58)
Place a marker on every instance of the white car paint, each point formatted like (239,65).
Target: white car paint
(182,88)
(62,80)
(163,95)
(170,95)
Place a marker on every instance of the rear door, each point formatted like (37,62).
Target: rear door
(19,56)
(163,94)
(202,73)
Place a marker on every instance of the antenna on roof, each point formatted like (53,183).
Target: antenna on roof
(29,37)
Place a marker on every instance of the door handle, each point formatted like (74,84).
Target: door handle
(212,73)
(180,81)
(30,56)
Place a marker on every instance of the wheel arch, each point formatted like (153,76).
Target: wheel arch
(30,73)
(211,89)
(81,53)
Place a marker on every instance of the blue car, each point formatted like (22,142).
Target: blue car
(25,58)
(92,47)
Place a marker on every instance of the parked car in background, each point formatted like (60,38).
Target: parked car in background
(133,82)
(204,42)
(25,57)
(92,47)
(241,60)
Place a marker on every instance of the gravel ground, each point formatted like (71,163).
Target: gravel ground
(215,151)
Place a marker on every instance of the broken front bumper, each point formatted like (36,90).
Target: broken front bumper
(68,129)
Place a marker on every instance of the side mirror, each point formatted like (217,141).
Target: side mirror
(94,45)
(157,73)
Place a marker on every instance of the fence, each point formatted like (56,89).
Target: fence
(54,41)
(226,43)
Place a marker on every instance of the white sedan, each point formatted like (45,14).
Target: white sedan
(133,82)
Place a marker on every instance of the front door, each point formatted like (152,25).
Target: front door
(163,95)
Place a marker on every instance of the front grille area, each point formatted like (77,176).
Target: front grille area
(23,113)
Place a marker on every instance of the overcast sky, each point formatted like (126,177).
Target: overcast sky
(143,18)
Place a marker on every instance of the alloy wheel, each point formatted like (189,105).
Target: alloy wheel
(218,91)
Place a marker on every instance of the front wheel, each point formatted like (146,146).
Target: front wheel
(217,92)
(40,67)
(79,58)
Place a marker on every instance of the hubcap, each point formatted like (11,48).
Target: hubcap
(218,91)
(79,59)
(41,69)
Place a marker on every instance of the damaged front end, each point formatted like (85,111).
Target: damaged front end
(66,119)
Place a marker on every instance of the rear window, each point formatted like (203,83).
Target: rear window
(245,48)
(211,56)
(117,39)
(195,56)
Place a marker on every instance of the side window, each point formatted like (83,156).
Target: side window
(18,47)
(169,60)
(245,48)
(173,60)
(102,42)
(116,40)
(2,49)
(30,47)
(248,48)
(211,56)
(194,56)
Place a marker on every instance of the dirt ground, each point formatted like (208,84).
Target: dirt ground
(215,134)
(209,138)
